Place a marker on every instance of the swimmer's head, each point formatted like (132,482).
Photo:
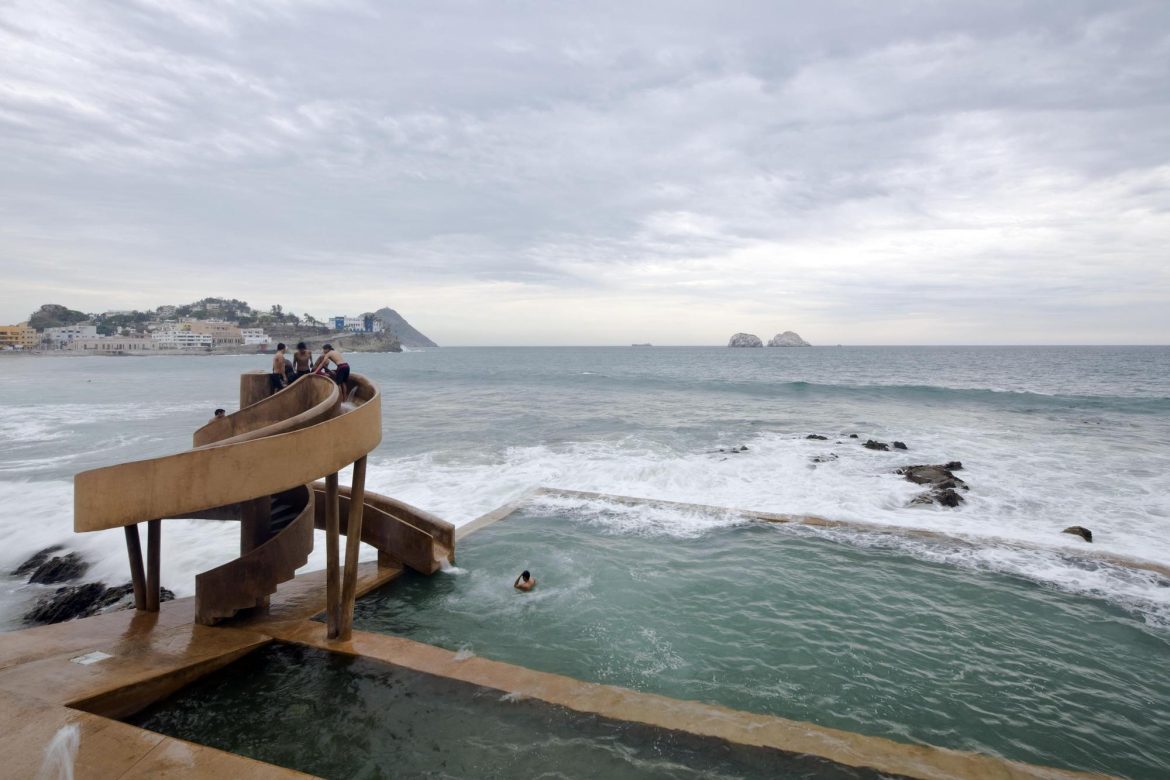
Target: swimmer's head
(524,575)
(280,346)
(300,345)
(220,413)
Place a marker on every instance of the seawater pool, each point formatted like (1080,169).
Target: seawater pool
(780,620)
(341,717)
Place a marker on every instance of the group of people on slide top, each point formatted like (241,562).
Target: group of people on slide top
(286,371)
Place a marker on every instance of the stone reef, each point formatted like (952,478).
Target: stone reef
(745,340)
(788,338)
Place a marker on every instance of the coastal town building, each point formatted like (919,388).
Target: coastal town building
(255,336)
(19,337)
(66,334)
(223,333)
(113,345)
(179,338)
(366,323)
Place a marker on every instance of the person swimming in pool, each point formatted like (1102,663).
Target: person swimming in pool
(525,581)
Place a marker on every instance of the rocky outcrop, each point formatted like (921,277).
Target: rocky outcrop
(367,342)
(406,333)
(745,340)
(35,560)
(1080,531)
(943,484)
(788,338)
(817,437)
(874,444)
(78,601)
(59,569)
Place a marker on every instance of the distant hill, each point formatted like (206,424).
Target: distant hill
(406,333)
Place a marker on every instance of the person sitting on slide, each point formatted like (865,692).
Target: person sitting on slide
(340,372)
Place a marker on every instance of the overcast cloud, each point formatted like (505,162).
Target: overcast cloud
(599,172)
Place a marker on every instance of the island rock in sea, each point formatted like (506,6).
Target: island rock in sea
(788,339)
(745,340)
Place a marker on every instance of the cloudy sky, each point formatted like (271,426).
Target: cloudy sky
(598,172)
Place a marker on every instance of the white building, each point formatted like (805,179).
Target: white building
(175,338)
(366,324)
(255,336)
(113,345)
(69,333)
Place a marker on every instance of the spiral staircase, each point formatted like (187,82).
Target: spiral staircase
(273,466)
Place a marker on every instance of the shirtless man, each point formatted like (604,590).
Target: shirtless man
(525,581)
(302,360)
(340,372)
(276,379)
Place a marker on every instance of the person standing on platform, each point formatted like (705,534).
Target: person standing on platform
(276,379)
(302,360)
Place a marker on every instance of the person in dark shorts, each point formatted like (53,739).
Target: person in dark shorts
(302,360)
(276,379)
(340,371)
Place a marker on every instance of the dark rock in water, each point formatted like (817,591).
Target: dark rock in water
(953,465)
(898,445)
(853,436)
(823,458)
(59,569)
(873,444)
(935,476)
(36,560)
(78,601)
(817,437)
(743,448)
(942,483)
(1077,530)
(948,497)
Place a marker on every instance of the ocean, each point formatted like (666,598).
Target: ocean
(1049,437)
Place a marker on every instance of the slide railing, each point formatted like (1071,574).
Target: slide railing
(258,466)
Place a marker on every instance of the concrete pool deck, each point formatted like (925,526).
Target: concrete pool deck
(90,672)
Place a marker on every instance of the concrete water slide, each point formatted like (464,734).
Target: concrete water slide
(260,466)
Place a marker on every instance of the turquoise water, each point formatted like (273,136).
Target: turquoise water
(779,620)
(340,717)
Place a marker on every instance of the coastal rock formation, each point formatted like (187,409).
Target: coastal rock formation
(874,444)
(35,560)
(1080,531)
(943,484)
(788,338)
(403,330)
(59,569)
(745,340)
(78,601)
(900,445)
(817,437)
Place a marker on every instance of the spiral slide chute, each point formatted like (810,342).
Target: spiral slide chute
(258,466)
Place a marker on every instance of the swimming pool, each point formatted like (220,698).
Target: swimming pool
(778,620)
(341,717)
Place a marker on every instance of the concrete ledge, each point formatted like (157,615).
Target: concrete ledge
(842,747)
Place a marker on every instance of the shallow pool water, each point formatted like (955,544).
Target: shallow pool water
(778,620)
(341,717)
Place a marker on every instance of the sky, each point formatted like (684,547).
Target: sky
(599,172)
